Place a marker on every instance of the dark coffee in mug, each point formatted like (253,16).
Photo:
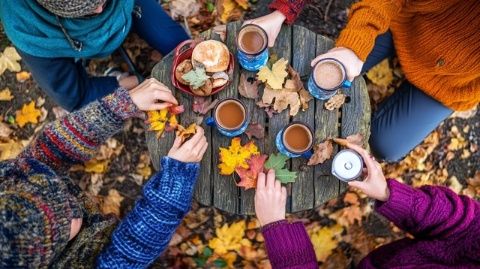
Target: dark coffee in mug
(328,75)
(230,114)
(297,138)
(252,39)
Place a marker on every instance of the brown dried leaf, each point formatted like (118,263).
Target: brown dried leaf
(255,130)
(246,88)
(186,133)
(321,153)
(5,130)
(305,97)
(381,74)
(356,139)
(283,99)
(221,30)
(111,203)
(348,215)
(184,8)
(335,102)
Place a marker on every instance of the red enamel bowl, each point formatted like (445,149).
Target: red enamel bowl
(184,51)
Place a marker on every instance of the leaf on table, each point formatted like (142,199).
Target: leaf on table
(281,99)
(381,74)
(196,77)
(172,123)
(325,240)
(305,97)
(248,177)
(157,120)
(186,133)
(10,149)
(229,238)
(96,166)
(203,105)
(276,76)
(246,88)
(267,107)
(236,156)
(355,139)
(22,76)
(9,60)
(335,102)
(5,130)
(321,153)
(6,95)
(175,110)
(183,8)
(221,30)
(255,130)
(277,162)
(28,114)
(111,203)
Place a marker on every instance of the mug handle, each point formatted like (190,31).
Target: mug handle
(347,84)
(308,154)
(210,121)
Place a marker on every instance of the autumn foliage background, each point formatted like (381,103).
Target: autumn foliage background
(342,231)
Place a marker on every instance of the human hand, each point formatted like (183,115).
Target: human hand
(374,185)
(271,23)
(191,151)
(347,57)
(146,95)
(129,82)
(270,199)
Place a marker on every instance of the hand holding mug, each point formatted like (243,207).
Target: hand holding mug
(347,57)
(374,185)
(271,23)
(152,95)
(270,199)
(191,151)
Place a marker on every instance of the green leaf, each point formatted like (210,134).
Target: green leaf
(196,77)
(277,162)
(200,261)
(220,263)
(207,252)
(11,119)
(210,7)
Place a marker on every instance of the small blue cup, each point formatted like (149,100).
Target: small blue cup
(252,60)
(289,150)
(228,127)
(322,93)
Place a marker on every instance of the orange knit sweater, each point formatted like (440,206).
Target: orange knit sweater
(437,43)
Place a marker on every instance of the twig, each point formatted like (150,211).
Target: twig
(325,18)
(317,9)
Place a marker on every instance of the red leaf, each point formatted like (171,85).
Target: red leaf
(248,177)
(175,110)
(321,153)
(255,130)
(202,105)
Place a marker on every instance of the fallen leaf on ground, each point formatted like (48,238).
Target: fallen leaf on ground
(235,156)
(255,130)
(9,60)
(465,114)
(248,177)
(277,162)
(246,88)
(321,153)
(5,130)
(348,215)
(186,133)
(6,95)
(143,167)
(96,166)
(184,8)
(335,102)
(351,198)
(283,99)
(229,10)
(325,240)
(203,105)
(10,149)
(23,76)
(28,114)
(276,76)
(243,3)
(111,203)
(355,139)
(229,238)
(381,74)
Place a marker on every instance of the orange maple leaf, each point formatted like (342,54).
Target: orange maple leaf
(235,156)
(248,177)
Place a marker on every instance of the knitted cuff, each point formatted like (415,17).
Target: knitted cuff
(288,245)
(120,104)
(400,202)
(357,41)
(291,9)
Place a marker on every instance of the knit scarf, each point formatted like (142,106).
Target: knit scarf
(37,32)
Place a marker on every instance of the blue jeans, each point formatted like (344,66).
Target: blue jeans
(404,119)
(66,81)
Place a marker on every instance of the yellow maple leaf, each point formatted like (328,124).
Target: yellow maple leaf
(228,10)
(235,156)
(6,95)
(157,120)
(28,114)
(275,77)
(111,203)
(243,3)
(229,238)
(96,166)
(9,60)
(23,76)
(325,240)
(143,166)
(10,149)
(381,74)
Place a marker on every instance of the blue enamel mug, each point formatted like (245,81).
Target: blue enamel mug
(252,47)
(328,75)
(229,117)
(295,140)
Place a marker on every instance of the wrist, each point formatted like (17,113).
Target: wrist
(279,16)
(271,221)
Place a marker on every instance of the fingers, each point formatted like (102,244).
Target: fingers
(284,193)
(366,157)
(165,96)
(177,142)
(278,186)
(271,179)
(197,148)
(192,142)
(261,181)
(202,151)
(160,106)
(358,184)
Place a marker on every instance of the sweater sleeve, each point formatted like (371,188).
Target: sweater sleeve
(290,8)
(367,20)
(145,232)
(75,138)
(430,211)
(288,246)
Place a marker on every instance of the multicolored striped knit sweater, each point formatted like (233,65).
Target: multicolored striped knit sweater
(137,241)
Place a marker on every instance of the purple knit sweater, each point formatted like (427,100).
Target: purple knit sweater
(446,228)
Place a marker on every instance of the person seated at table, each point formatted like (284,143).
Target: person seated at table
(47,221)
(437,46)
(52,36)
(444,225)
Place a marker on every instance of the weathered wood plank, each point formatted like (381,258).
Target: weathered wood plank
(226,193)
(356,114)
(283,48)
(303,191)
(326,126)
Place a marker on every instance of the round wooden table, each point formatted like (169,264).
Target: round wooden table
(314,185)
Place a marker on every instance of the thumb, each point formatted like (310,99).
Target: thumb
(358,184)
(159,106)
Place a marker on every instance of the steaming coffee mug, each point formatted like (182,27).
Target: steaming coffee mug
(328,75)
(229,117)
(252,47)
(295,140)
